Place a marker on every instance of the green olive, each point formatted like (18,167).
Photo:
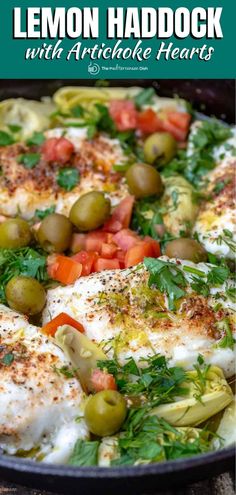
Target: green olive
(186,249)
(90,211)
(26,295)
(143,180)
(14,233)
(54,233)
(105,412)
(160,148)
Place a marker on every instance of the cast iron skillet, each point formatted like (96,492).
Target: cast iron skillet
(213,97)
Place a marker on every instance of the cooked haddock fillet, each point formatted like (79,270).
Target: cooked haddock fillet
(23,190)
(216,221)
(39,405)
(124,315)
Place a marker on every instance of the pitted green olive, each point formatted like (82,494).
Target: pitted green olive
(105,412)
(186,249)
(143,180)
(159,148)
(54,234)
(26,295)
(90,211)
(14,233)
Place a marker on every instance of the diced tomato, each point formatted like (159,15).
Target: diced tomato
(148,122)
(87,261)
(124,114)
(62,319)
(105,264)
(156,250)
(77,243)
(177,124)
(57,150)
(108,250)
(49,149)
(121,216)
(94,240)
(126,239)
(180,119)
(64,150)
(120,255)
(101,380)
(137,253)
(63,269)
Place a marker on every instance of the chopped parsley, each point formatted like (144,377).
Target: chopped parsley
(156,383)
(85,453)
(231,293)
(145,97)
(68,178)
(220,185)
(36,139)
(151,439)
(78,111)
(5,139)
(7,359)
(41,214)
(91,131)
(196,164)
(104,121)
(218,275)
(14,128)
(29,160)
(146,217)
(228,340)
(168,278)
(199,286)
(65,371)
(226,238)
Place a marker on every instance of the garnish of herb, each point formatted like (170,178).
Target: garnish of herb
(168,278)
(156,382)
(85,453)
(78,111)
(7,359)
(197,163)
(145,97)
(5,139)
(65,371)
(14,128)
(29,160)
(68,178)
(228,340)
(36,139)
(151,439)
(41,214)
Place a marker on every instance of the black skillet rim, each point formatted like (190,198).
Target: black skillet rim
(162,468)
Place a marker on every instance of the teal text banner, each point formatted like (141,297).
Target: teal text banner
(133,51)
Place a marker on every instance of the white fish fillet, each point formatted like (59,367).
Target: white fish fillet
(39,405)
(120,312)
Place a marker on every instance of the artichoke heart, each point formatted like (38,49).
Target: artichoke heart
(81,351)
(31,116)
(178,201)
(69,97)
(203,400)
(226,431)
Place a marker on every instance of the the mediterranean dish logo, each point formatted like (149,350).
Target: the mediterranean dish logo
(116,37)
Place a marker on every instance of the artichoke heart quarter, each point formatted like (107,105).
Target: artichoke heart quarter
(198,407)
(81,351)
(226,431)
